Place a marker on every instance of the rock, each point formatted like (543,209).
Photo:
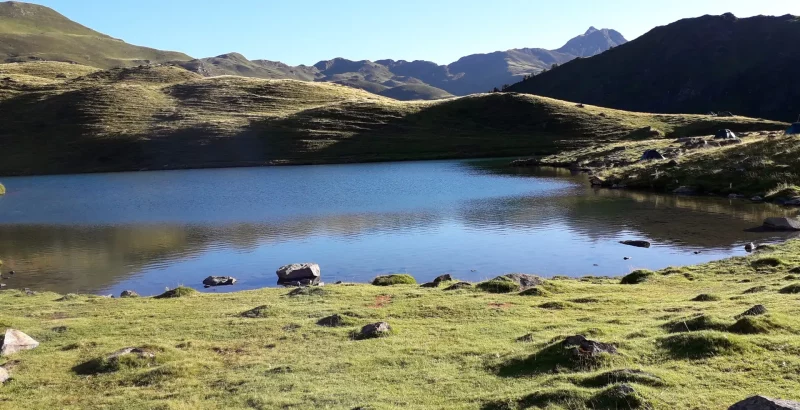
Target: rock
(137,351)
(792,201)
(672,163)
(756,310)
(725,135)
(529,162)
(781,224)
(332,321)
(584,347)
(757,199)
(652,154)
(4,375)
(128,294)
(733,196)
(2,285)
(750,247)
(459,285)
(374,330)
(597,181)
(724,114)
(685,190)
(627,258)
(16,341)
(302,283)
(298,272)
(525,281)
(638,244)
(219,281)
(765,403)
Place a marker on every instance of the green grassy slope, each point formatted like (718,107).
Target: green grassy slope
(32,32)
(459,349)
(167,117)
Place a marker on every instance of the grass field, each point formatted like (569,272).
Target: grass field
(165,117)
(462,349)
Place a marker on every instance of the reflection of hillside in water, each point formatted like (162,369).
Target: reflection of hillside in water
(89,258)
(92,258)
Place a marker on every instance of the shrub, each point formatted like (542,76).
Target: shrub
(499,285)
(637,276)
(396,279)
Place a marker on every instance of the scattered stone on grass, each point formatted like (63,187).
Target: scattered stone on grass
(705,298)
(335,321)
(459,285)
(257,312)
(765,403)
(374,330)
(128,294)
(15,341)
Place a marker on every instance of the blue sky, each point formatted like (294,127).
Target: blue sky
(304,32)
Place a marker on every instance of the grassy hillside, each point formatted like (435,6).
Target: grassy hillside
(410,92)
(166,117)
(709,63)
(679,345)
(30,32)
(764,164)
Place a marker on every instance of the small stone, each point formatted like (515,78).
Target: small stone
(16,341)
(757,199)
(374,330)
(750,247)
(332,321)
(584,347)
(219,281)
(756,310)
(141,353)
(765,403)
(128,294)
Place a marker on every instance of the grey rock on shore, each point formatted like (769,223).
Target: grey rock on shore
(781,224)
(765,403)
(299,274)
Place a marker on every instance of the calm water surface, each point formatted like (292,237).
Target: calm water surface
(146,231)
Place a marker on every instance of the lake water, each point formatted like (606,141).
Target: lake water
(104,233)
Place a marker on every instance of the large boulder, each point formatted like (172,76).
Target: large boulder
(298,272)
(765,403)
(16,341)
(781,224)
(219,281)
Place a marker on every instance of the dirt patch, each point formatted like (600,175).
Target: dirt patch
(381,301)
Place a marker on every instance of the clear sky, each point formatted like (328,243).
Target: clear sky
(306,31)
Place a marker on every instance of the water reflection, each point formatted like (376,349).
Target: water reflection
(551,224)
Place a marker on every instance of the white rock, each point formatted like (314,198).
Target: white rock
(16,341)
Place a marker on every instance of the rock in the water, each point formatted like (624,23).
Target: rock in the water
(781,224)
(750,247)
(757,199)
(219,281)
(765,403)
(638,244)
(128,294)
(685,190)
(298,272)
(4,375)
(16,341)
(374,330)
(756,310)
(652,154)
(792,201)
(301,282)
(459,285)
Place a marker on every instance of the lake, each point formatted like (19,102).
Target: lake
(104,233)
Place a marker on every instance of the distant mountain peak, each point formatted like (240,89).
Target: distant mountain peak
(593,42)
(591,30)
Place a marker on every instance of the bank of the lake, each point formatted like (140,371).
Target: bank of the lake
(461,349)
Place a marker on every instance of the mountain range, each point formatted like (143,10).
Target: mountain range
(747,66)
(30,32)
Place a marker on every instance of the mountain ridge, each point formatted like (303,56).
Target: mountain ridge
(694,65)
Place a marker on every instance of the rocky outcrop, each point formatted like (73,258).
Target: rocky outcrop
(16,341)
